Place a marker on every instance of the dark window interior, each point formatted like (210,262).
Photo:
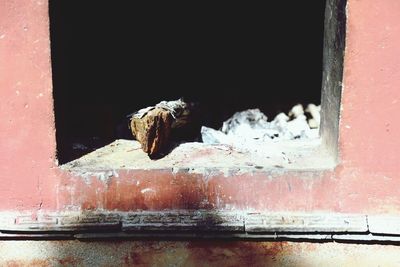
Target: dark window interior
(111,58)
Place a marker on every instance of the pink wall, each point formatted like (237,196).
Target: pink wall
(370,129)
(27,141)
(366,181)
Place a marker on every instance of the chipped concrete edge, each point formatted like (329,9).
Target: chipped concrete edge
(200,224)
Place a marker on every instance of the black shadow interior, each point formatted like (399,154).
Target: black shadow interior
(111,58)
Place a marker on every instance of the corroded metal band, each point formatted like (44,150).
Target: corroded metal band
(201,224)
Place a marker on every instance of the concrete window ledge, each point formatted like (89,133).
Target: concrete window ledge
(120,155)
(201,224)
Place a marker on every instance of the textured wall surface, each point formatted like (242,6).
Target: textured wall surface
(27,142)
(367,179)
(369,175)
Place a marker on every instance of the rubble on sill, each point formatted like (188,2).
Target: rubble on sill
(246,142)
(250,131)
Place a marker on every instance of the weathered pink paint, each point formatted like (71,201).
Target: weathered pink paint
(27,140)
(371,95)
(367,180)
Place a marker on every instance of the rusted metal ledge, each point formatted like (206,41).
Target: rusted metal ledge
(200,224)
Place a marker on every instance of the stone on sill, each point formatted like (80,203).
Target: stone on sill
(152,130)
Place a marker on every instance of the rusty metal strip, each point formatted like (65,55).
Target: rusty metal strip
(36,236)
(56,222)
(185,221)
(367,238)
(308,237)
(300,222)
(171,236)
(384,224)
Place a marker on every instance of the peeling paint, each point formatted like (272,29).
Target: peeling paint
(147,190)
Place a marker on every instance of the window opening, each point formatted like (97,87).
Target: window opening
(111,60)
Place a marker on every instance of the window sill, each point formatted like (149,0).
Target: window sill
(193,157)
(121,177)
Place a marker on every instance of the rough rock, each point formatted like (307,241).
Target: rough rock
(152,130)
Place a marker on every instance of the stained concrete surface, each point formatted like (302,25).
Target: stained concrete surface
(127,154)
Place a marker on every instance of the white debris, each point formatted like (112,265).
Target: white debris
(281,117)
(175,107)
(296,111)
(314,112)
(250,129)
(252,119)
(297,128)
(211,136)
